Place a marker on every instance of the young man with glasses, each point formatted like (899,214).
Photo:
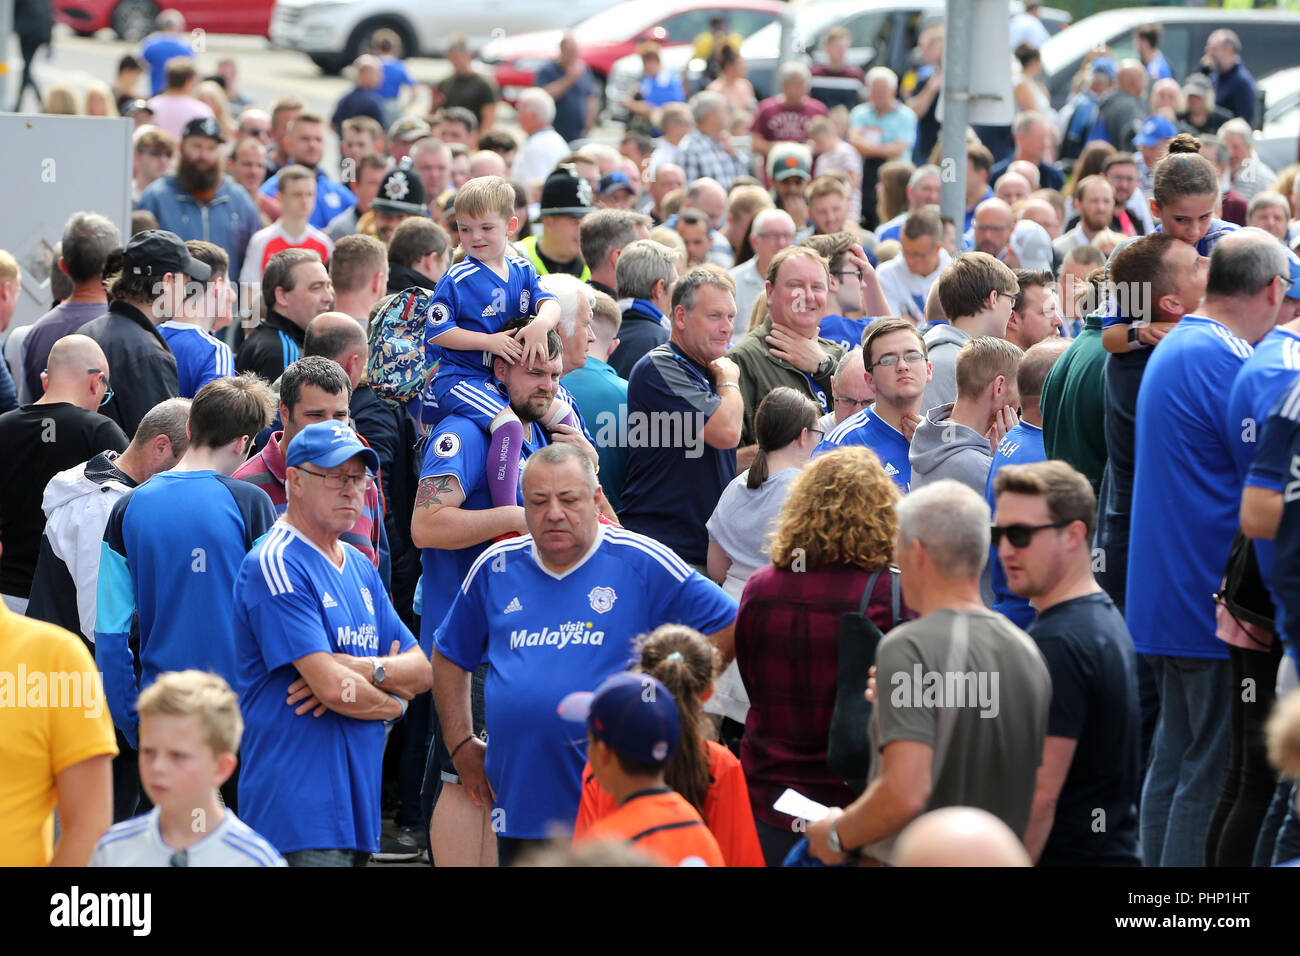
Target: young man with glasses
(37,441)
(172,548)
(312,617)
(1045,516)
(315,389)
(893,353)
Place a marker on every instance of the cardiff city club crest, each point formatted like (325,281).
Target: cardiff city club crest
(446,445)
(523,302)
(397,187)
(602,599)
(365,596)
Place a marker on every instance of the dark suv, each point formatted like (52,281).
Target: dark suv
(1269,41)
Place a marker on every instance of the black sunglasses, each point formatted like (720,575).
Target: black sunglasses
(1021,534)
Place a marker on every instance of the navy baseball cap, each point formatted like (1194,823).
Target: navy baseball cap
(614,181)
(633,714)
(327,445)
(203,126)
(1154,129)
(155,252)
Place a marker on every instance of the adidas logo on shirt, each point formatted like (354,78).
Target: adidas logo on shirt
(328,601)
(890,470)
(513,606)
(489,311)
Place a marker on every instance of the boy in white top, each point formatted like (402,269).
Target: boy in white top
(292,230)
(189,733)
(906,278)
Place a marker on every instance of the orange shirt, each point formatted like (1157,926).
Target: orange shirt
(726,808)
(661,824)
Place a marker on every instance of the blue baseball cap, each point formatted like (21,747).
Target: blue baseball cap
(328,445)
(614,181)
(633,714)
(1154,129)
(1105,65)
(1293,262)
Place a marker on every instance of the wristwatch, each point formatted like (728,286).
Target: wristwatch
(833,838)
(377,673)
(824,367)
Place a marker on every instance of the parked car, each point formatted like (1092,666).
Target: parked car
(334,32)
(882,32)
(133,20)
(1269,40)
(615,33)
(1278,140)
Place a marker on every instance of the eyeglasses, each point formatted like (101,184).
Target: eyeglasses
(337,481)
(108,388)
(255,131)
(1286,279)
(889,361)
(856,273)
(180,858)
(1019,535)
(817,431)
(853,402)
(782,236)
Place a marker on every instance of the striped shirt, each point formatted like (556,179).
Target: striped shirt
(139,842)
(201,357)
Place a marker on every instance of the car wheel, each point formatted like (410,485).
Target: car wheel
(359,42)
(329,65)
(133,20)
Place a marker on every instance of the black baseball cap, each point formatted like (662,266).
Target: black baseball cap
(203,126)
(156,252)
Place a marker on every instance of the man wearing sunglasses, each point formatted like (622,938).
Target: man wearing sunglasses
(313,621)
(37,441)
(1045,515)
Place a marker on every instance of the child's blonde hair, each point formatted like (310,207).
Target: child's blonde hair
(1283,734)
(194,693)
(484,196)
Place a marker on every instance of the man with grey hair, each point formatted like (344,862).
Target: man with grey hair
(1250,175)
(771,231)
(960,679)
(880,129)
(1034,144)
(77,503)
(1184,467)
(88,238)
(784,118)
(523,609)
(708,149)
(850,388)
(684,419)
(576,299)
(676,120)
(543,147)
(602,236)
(1234,87)
(664,179)
(922,190)
(645,274)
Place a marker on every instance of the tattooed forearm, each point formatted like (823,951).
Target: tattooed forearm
(428,495)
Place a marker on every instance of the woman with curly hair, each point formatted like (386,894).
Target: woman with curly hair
(837,527)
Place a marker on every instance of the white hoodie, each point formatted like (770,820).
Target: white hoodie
(77,504)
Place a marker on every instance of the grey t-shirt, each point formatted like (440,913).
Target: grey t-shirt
(743,520)
(999,696)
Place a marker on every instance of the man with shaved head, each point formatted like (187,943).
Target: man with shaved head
(486,163)
(1027,169)
(959,836)
(1012,188)
(1044,213)
(664,178)
(37,441)
(993,224)
(1120,112)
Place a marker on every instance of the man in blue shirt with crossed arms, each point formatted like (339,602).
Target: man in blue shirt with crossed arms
(312,620)
(554,612)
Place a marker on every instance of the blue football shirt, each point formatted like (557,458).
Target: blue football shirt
(472,297)
(546,635)
(308,783)
(1186,494)
(459,448)
(1272,469)
(869,430)
(200,356)
(1023,445)
(172,549)
(845,332)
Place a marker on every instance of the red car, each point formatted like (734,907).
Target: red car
(615,33)
(133,19)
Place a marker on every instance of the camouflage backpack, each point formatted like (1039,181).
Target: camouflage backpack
(398,370)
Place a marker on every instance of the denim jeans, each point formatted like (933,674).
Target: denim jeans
(1279,837)
(327,858)
(1188,757)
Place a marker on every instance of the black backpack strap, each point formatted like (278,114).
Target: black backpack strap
(895,595)
(866,594)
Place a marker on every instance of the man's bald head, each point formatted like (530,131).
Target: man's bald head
(486,163)
(342,339)
(1132,78)
(959,836)
(74,354)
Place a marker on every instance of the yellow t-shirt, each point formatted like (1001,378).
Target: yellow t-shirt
(52,715)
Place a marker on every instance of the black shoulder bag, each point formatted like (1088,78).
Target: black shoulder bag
(848,747)
(1242,591)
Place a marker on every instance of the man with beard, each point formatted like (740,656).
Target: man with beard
(1094,200)
(199,201)
(306,148)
